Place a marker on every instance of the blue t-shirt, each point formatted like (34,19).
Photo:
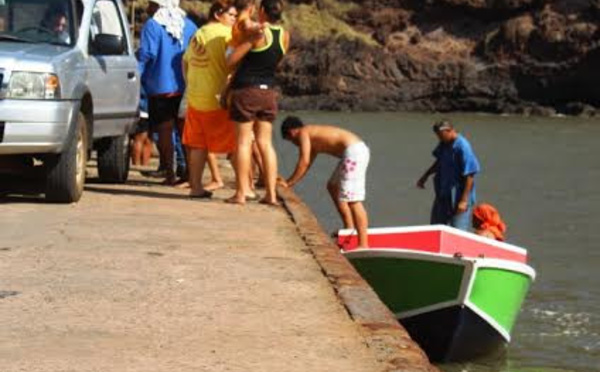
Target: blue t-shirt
(159,58)
(456,160)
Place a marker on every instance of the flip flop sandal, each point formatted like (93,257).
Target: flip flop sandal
(204,195)
(253,198)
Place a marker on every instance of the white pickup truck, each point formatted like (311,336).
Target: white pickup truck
(68,85)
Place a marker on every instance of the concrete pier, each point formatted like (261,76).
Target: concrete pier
(138,277)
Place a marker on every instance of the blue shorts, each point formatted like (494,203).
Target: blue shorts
(443,212)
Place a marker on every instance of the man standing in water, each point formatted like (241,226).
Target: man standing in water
(455,167)
(347,183)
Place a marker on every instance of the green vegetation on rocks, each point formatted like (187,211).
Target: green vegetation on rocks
(504,56)
(311,23)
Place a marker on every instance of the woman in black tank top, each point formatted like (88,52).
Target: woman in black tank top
(258,66)
(254,100)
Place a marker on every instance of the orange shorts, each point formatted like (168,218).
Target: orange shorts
(209,130)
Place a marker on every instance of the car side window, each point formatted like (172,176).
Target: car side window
(106,20)
(48,21)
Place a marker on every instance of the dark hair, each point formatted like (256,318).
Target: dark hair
(441,125)
(273,9)
(218,7)
(243,4)
(198,19)
(289,123)
(52,13)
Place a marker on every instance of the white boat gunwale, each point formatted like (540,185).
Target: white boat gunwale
(481,262)
(428,309)
(465,284)
(491,321)
(497,263)
(448,304)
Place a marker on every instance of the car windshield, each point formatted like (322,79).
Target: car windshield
(37,21)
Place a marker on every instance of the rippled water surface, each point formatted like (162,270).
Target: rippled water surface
(543,174)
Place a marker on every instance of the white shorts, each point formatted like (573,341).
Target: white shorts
(351,173)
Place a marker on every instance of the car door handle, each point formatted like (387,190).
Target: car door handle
(131,75)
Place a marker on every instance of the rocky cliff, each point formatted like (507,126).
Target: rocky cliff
(500,56)
(515,56)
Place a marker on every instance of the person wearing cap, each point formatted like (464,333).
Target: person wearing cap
(163,40)
(455,167)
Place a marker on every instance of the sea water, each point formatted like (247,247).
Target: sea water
(543,174)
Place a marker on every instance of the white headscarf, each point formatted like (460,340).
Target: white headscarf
(171,17)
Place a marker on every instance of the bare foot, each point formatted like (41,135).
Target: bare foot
(271,203)
(182,185)
(236,200)
(214,185)
(169,181)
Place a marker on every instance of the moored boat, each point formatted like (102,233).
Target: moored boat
(457,304)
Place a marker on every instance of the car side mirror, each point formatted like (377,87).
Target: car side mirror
(107,44)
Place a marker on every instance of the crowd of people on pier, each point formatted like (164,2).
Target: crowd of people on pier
(221,77)
(210,89)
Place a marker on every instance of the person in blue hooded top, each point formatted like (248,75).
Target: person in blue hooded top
(163,40)
(455,167)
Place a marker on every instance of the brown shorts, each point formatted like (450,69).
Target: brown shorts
(252,104)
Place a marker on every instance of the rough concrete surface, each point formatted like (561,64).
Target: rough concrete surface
(389,341)
(138,277)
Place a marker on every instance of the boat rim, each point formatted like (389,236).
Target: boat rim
(444,228)
(478,262)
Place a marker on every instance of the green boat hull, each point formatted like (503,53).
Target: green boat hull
(457,309)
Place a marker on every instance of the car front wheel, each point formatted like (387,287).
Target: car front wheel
(65,172)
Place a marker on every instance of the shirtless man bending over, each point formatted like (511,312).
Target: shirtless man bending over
(347,183)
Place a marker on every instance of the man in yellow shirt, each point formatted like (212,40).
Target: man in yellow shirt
(207,126)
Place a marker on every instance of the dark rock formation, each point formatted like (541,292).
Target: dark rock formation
(515,56)
(519,56)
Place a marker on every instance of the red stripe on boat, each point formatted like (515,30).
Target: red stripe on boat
(434,240)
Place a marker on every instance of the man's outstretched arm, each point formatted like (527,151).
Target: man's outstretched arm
(305,160)
(431,170)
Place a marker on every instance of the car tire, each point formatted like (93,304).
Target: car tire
(113,159)
(65,172)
